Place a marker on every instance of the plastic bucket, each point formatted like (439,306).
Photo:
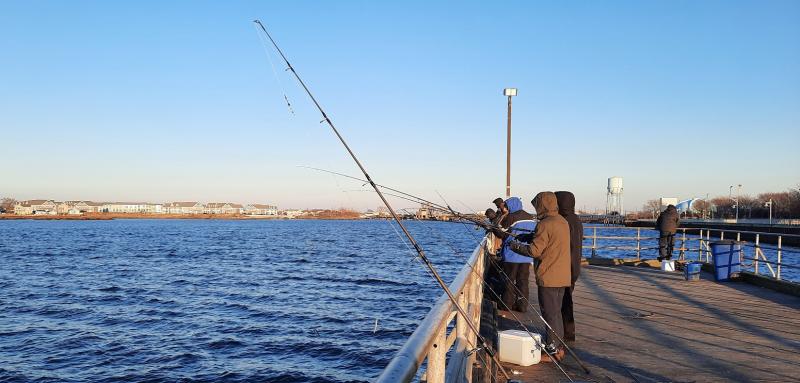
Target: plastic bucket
(727,259)
(691,271)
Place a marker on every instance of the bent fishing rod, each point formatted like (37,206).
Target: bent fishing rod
(417,247)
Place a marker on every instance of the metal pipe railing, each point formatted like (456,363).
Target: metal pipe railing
(703,249)
(431,341)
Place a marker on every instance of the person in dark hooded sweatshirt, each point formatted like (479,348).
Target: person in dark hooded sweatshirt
(550,247)
(667,225)
(566,208)
(517,268)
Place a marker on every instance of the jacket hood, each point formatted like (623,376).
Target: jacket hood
(514,204)
(566,202)
(545,204)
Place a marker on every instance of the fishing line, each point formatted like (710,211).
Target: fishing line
(265,45)
(405,231)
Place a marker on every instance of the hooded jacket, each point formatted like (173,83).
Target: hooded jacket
(523,223)
(566,208)
(550,245)
(515,213)
(668,221)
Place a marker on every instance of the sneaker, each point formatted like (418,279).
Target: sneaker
(558,355)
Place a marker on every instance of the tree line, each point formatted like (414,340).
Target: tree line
(785,204)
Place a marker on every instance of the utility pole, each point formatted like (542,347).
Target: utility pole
(510,92)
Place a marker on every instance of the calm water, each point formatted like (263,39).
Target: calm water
(207,300)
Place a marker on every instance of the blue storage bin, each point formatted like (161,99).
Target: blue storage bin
(691,271)
(727,259)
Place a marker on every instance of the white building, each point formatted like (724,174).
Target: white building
(132,207)
(260,209)
(36,206)
(223,208)
(184,208)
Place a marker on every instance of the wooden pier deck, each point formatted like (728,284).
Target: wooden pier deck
(637,324)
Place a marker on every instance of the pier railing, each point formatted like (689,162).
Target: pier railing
(689,241)
(443,340)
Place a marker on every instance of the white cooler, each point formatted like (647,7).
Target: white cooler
(667,265)
(518,347)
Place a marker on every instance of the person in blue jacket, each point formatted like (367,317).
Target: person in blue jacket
(517,267)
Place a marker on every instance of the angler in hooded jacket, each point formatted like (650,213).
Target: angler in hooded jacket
(550,247)
(566,208)
(516,267)
(667,225)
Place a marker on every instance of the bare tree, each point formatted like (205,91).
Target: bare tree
(7,204)
(652,207)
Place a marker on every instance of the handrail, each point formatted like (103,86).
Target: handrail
(432,342)
(703,250)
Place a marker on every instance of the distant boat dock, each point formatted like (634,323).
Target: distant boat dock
(634,324)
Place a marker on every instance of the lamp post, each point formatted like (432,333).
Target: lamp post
(509,92)
(769,203)
(735,200)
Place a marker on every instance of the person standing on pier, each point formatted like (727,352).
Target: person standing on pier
(550,247)
(516,268)
(667,225)
(566,208)
(502,210)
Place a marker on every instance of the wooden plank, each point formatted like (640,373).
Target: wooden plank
(641,325)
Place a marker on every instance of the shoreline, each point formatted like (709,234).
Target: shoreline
(111,216)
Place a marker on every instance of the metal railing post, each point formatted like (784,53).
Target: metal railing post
(638,247)
(437,356)
(683,246)
(708,245)
(594,241)
(755,255)
(778,273)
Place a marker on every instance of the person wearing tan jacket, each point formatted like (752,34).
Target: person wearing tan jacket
(550,249)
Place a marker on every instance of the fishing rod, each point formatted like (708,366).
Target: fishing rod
(417,247)
(413,198)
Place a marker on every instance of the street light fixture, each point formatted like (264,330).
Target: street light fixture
(509,92)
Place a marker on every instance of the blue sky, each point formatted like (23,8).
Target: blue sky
(177,101)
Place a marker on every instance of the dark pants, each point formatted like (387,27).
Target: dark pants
(550,300)
(496,282)
(515,295)
(567,315)
(666,242)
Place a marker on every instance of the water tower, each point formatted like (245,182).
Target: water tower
(614,197)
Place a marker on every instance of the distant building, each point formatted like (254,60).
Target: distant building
(184,208)
(36,206)
(223,208)
(132,207)
(293,213)
(260,209)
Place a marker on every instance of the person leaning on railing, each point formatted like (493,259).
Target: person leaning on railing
(550,247)
(667,225)
(516,268)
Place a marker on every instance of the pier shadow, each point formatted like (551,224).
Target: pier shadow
(657,336)
(716,311)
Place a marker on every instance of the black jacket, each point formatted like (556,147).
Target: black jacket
(566,208)
(668,221)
